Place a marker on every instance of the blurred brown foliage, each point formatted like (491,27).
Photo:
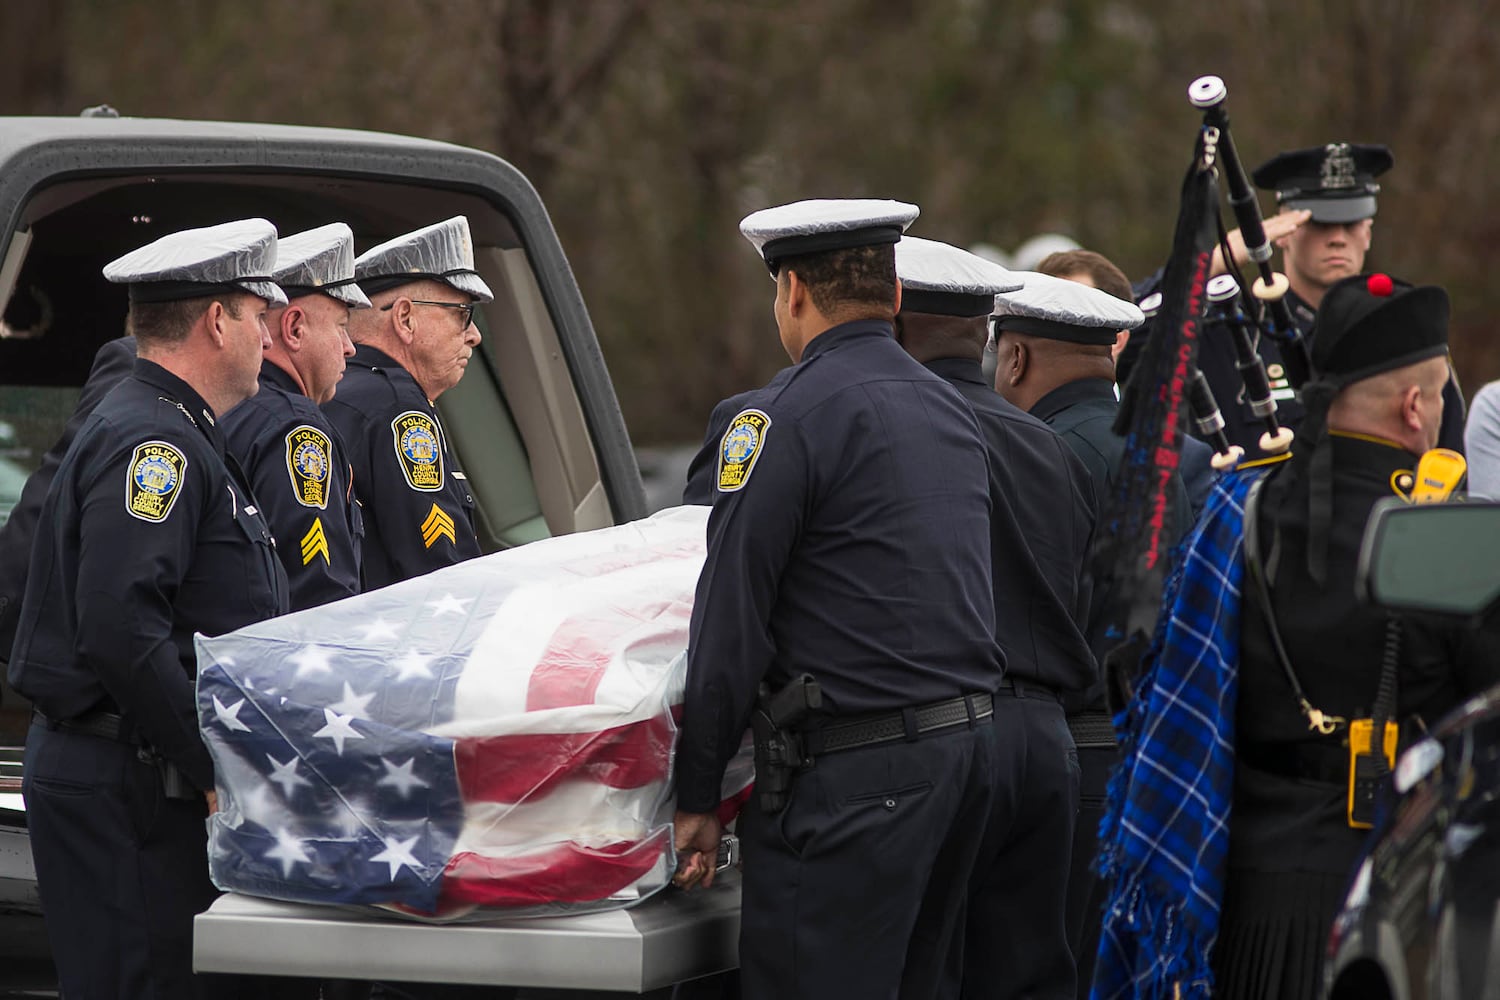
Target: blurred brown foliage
(650,128)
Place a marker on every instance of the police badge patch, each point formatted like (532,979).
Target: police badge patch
(308,460)
(740,448)
(419,450)
(154,480)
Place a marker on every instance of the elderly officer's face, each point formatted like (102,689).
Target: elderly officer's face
(1321,253)
(443,339)
(325,345)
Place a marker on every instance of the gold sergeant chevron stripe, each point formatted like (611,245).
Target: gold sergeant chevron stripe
(438,525)
(315,543)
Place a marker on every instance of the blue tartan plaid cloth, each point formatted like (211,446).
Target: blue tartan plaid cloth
(1164,840)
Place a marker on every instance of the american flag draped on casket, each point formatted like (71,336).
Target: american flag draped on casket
(494,734)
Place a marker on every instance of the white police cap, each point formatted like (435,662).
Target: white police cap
(824,224)
(1059,309)
(196,263)
(319,262)
(440,252)
(940,278)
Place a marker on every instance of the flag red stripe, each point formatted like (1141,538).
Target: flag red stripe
(520,766)
(579,653)
(566,873)
(731,807)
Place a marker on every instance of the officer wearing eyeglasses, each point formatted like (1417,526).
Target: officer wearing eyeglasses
(413,346)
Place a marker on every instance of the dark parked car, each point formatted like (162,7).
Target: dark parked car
(1420,917)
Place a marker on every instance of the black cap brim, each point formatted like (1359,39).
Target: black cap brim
(1335,211)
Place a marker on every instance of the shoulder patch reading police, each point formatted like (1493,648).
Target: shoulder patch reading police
(153,480)
(418,450)
(309,456)
(740,448)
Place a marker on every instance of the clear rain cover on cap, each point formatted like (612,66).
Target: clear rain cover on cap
(495,737)
(824,215)
(1064,301)
(225,254)
(931,266)
(443,251)
(313,258)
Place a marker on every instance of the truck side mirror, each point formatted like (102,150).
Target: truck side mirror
(1441,558)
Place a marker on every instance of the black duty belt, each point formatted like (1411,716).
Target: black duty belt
(1092,729)
(892,727)
(104,725)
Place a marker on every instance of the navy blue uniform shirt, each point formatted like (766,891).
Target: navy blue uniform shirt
(147,536)
(300,474)
(846,541)
(418,511)
(1041,531)
(1083,413)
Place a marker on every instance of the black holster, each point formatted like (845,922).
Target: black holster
(174,783)
(779,753)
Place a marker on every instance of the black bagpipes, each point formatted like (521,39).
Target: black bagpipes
(1138,528)
(1245,313)
(1270,288)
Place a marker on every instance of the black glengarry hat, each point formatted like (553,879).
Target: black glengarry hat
(1374,323)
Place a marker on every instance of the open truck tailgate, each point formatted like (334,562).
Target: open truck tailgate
(670,937)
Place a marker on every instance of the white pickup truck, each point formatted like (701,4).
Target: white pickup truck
(535,422)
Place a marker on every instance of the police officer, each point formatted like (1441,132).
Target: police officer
(413,346)
(1041,527)
(1053,339)
(149,534)
(845,544)
(1097,271)
(284,442)
(1334,183)
(1374,406)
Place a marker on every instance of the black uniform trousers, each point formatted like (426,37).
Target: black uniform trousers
(123,869)
(1016,939)
(1086,891)
(849,890)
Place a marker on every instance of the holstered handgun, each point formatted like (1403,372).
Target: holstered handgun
(173,782)
(778,747)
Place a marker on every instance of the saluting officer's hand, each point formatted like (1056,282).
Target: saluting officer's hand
(699,834)
(1276,226)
